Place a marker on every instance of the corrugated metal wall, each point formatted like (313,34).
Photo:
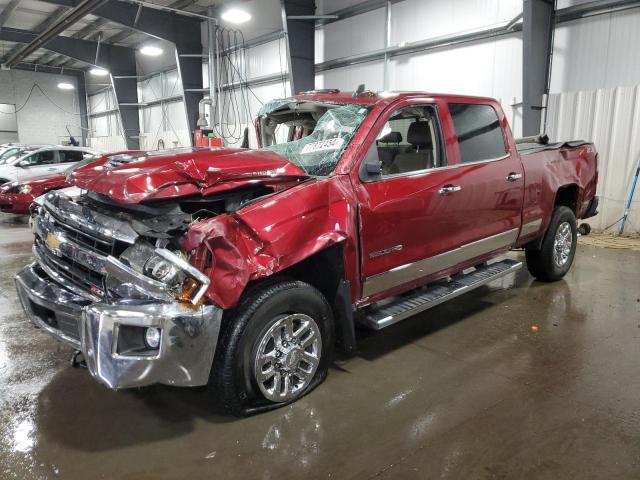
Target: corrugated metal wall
(595,96)
(611,119)
(597,52)
(491,67)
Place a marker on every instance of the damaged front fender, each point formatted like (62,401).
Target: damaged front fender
(273,234)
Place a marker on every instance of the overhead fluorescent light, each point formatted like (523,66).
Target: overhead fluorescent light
(99,72)
(151,50)
(65,86)
(235,15)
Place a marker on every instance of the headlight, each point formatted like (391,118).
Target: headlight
(24,189)
(189,283)
(162,270)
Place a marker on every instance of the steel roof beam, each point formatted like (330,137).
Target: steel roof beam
(8,10)
(156,23)
(537,27)
(81,50)
(70,18)
(300,36)
(53,17)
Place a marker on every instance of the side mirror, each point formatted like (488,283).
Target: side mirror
(23,164)
(371,167)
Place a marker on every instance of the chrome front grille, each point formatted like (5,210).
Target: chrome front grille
(68,272)
(72,244)
(87,240)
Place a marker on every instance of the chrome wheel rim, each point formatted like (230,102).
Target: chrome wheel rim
(562,244)
(287,357)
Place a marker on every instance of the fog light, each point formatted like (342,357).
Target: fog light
(152,337)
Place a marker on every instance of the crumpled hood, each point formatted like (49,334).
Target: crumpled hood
(183,172)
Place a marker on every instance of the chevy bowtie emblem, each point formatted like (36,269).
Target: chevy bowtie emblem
(53,242)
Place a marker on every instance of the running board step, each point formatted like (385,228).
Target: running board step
(429,297)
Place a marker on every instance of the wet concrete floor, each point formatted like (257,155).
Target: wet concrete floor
(468,390)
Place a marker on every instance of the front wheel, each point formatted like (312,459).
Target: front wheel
(275,348)
(555,257)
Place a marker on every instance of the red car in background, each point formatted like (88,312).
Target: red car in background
(17,197)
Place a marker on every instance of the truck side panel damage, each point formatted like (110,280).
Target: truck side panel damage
(235,249)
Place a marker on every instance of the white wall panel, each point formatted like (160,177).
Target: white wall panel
(49,111)
(351,36)
(150,89)
(348,78)
(611,119)
(413,20)
(108,144)
(266,59)
(487,68)
(597,52)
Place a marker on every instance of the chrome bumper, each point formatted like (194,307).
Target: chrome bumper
(187,346)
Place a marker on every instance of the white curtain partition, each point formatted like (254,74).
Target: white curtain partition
(611,119)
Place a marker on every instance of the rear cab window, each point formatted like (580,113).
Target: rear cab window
(479,132)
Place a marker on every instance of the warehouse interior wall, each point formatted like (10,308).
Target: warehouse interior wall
(34,110)
(593,69)
(490,67)
(611,119)
(595,96)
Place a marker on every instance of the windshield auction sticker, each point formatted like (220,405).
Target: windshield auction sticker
(329,144)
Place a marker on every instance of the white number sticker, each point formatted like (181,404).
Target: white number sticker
(329,144)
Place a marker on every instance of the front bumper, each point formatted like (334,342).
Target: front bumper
(187,346)
(17,203)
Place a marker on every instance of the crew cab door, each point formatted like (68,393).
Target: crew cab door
(420,221)
(491,183)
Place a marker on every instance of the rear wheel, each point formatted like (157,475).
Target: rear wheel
(275,348)
(554,259)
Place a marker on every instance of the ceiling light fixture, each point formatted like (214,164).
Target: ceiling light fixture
(65,86)
(99,72)
(151,50)
(234,15)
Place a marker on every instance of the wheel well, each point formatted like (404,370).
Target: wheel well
(568,196)
(325,271)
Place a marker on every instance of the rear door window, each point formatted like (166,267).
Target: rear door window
(71,156)
(479,132)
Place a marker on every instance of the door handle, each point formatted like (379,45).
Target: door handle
(447,189)
(513,176)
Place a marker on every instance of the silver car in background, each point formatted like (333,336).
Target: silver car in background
(19,163)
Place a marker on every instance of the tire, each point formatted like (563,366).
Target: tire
(554,259)
(249,337)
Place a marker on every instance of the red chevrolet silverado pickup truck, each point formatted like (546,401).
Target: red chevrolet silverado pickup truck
(246,268)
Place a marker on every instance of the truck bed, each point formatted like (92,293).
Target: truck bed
(527,148)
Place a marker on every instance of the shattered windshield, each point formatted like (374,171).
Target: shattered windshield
(318,152)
